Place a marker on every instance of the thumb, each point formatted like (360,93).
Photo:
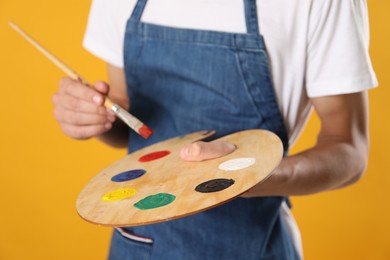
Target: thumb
(201,151)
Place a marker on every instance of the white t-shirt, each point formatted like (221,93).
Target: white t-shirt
(316,47)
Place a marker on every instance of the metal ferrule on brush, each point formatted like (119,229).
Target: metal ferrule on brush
(126,117)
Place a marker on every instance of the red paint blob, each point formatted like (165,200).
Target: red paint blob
(145,131)
(153,156)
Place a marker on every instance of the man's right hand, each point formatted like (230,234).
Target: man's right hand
(80,110)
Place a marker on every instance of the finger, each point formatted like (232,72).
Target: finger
(75,104)
(76,89)
(81,119)
(102,87)
(84,132)
(200,151)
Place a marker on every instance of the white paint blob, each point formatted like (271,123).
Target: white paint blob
(237,164)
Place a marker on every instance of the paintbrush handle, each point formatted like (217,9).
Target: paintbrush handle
(125,116)
(68,71)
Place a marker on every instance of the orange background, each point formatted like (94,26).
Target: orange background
(42,171)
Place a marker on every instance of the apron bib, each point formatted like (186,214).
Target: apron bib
(181,81)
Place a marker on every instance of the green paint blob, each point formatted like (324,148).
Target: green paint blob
(155,201)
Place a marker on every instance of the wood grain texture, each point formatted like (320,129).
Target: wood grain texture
(172,175)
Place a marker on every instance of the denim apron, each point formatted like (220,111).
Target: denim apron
(181,81)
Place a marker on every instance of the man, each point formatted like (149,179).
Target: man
(182,66)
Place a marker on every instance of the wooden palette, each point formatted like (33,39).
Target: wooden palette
(173,176)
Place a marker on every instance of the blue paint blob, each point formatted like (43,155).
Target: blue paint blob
(128,176)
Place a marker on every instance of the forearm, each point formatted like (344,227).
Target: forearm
(338,159)
(117,137)
(328,165)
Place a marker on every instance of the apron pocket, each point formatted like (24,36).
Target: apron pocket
(126,246)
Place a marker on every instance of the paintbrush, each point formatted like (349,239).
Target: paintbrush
(134,123)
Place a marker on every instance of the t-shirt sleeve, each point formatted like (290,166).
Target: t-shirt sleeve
(105,30)
(338,61)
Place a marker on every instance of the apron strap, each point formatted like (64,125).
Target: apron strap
(138,10)
(252,23)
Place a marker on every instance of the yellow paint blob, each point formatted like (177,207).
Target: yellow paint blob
(119,194)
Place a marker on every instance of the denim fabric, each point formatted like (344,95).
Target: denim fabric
(184,80)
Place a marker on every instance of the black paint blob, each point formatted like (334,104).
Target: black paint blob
(214,185)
